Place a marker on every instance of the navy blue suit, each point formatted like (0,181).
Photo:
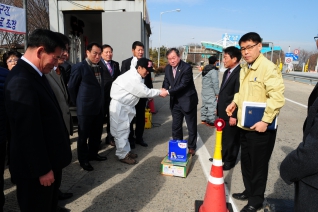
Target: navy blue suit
(231,134)
(183,101)
(108,81)
(39,138)
(88,94)
(3,74)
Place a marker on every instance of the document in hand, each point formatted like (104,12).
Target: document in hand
(253,112)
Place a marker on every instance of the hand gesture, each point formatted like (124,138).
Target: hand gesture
(259,126)
(230,109)
(232,121)
(47,179)
(163,92)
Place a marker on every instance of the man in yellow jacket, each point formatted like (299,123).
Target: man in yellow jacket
(260,81)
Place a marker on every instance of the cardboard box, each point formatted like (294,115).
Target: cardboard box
(178,150)
(175,168)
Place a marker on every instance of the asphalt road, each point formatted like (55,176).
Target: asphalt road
(118,187)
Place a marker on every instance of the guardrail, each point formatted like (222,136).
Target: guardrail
(312,80)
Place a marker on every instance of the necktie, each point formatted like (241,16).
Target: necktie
(228,74)
(109,68)
(174,72)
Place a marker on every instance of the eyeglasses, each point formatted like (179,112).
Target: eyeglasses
(12,61)
(248,48)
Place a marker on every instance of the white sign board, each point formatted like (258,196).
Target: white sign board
(288,60)
(295,62)
(296,51)
(12,19)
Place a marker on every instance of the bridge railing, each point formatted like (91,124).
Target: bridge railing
(312,80)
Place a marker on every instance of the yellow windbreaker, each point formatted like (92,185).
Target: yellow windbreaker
(262,82)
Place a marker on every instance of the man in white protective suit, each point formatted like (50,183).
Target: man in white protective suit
(126,91)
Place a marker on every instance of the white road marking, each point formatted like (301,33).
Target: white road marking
(296,103)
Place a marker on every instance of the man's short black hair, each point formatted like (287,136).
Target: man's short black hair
(46,38)
(253,36)
(90,46)
(232,51)
(173,50)
(137,43)
(8,54)
(212,60)
(107,46)
(64,38)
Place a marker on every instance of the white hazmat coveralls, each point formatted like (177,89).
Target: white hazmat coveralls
(126,91)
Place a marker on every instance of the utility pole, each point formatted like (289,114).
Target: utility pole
(25,3)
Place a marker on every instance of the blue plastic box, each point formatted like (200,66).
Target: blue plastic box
(178,150)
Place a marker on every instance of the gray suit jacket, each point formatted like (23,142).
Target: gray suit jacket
(60,91)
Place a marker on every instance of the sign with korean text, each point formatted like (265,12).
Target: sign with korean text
(12,19)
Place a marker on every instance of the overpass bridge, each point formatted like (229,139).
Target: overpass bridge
(216,48)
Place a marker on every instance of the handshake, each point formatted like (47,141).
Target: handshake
(163,92)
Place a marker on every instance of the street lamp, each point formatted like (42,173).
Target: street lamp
(177,10)
(316,41)
(194,51)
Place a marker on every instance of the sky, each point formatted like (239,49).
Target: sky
(283,22)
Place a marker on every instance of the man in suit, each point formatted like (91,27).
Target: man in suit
(260,81)
(40,145)
(179,84)
(138,52)
(301,165)
(230,85)
(111,72)
(56,81)
(3,138)
(86,88)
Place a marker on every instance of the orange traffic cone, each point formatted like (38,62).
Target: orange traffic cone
(214,200)
(151,106)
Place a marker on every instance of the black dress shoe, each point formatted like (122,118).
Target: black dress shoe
(141,142)
(240,196)
(62,209)
(227,167)
(63,196)
(87,166)
(98,158)
(249,208)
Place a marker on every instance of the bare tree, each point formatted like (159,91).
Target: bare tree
(303,57)
(312,61)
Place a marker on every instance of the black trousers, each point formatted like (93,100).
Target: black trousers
(106,111)
(33,197)
(230,143)
(256,150)
(3,147)
(177,120)
(139,120)
(91,128)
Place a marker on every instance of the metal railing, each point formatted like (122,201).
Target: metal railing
(312,80)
